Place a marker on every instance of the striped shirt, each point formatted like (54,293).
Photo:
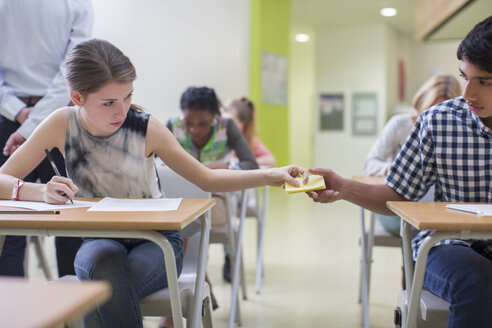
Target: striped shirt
(451,148)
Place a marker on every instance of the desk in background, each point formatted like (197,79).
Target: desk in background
(78,222)
(37,304)
(448,224)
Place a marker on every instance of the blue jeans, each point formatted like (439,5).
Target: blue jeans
(133,267)
(462,277)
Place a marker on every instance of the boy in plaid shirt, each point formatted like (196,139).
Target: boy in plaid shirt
(450,147)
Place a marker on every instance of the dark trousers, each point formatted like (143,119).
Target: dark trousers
(12,257)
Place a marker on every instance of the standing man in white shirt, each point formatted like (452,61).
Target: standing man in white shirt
(35,37)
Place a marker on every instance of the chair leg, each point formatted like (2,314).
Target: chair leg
(259,259)
(26,257)
(243,278)
(43,262)
(207,314)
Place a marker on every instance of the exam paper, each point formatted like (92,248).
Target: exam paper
(42,206)
(480,209)
(109,204)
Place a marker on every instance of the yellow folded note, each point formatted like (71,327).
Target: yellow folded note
(316,182)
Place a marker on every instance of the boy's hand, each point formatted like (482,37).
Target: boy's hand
(334,187)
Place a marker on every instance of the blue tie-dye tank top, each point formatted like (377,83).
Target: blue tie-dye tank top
(114,166)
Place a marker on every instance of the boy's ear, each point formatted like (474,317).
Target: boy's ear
(76,97)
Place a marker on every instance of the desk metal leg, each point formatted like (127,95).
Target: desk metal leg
(419,273)
(202,267)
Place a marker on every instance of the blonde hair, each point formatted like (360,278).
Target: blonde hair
(244,110)
(438,86)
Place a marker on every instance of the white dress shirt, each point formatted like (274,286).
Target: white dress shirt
(35,37)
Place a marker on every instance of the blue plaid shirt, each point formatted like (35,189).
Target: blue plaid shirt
(451,148)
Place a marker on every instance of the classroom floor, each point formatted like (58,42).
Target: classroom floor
(312,263)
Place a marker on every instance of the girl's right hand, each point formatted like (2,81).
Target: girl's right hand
(59,190)
(277,176)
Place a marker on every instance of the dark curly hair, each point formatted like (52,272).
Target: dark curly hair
(476,47)
(200,98)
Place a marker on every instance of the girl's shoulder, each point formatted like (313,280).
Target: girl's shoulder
(61,115)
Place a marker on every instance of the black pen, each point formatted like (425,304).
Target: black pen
(30,212)
(53,165)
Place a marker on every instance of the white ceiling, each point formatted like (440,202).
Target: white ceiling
(310,14)
(318,13)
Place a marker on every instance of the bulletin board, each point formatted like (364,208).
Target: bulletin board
(364,113)
(331,108)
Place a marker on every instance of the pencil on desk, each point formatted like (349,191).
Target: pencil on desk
(53,165)
(30,212)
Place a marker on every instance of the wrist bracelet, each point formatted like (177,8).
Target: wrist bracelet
(18,183)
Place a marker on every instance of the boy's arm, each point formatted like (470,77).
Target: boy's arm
(371,197)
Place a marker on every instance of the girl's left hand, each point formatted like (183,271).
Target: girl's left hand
(279,175)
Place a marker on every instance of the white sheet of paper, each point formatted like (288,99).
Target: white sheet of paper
(480,209)
(42,206)
(109,204)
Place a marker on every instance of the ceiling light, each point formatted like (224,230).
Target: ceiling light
(388,12)
(301,37)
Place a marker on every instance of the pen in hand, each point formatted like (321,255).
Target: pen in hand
(53,165)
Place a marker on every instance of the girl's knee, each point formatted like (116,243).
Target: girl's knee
(99,259)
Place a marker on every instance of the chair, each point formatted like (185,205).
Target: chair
(231,234)
(159,303)
(434,311)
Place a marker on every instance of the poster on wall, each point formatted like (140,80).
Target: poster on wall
(364,113)
(331,112)
(273,79)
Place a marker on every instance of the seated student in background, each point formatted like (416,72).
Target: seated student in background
(109,146)
(211,139)
(242,111)
(450,147)
(436,89)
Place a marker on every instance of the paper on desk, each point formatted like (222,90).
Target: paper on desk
(42,206)
(315,182)
(480,209)
(109,204)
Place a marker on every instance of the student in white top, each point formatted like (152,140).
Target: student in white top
(436,89)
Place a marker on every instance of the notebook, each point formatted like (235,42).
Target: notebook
(480,209)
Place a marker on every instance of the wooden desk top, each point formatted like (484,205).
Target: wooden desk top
(435,216)
(80,218)
(37,304)
(370,179)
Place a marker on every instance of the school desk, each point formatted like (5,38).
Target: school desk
(78,222)
(448,224)
(38,304)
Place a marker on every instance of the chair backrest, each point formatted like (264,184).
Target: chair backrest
(175,186)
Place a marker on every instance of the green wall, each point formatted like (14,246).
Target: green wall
(270,31)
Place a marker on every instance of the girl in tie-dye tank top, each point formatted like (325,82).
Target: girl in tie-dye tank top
(109,145)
